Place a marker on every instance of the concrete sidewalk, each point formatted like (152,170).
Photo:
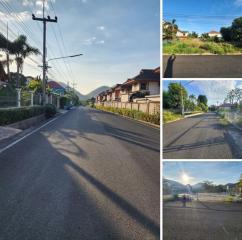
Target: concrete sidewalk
(7,132)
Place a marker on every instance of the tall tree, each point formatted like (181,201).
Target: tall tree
(202,99)
(21,49)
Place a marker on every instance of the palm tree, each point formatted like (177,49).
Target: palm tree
(21,49)
(4,43)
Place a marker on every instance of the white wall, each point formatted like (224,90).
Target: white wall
(154,88)
(135,87)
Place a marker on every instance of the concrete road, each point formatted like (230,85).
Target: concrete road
(87,175)
(202,220)
(198,137)
(210,66)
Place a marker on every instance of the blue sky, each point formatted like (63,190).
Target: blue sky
(215,90)
(202,15)
(218,172)
(117,38)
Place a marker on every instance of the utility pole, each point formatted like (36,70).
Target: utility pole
(8,71)
(45,67)
(182,105)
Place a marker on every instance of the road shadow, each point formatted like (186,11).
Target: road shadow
(53,201)
(204,206)
(169,67)
(201,144)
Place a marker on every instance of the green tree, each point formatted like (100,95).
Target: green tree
(166,100)
(226,33)
(21,49)
(175,91)
(170,30)
(202,99)
(35,85)
(236,30)
(193,35)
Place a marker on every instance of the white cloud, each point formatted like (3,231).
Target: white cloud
(93,40)
(101,28)
(238,2)
(27,3)
(15,16)
(215,90)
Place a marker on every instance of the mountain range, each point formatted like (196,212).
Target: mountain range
(93,93)
(176,187)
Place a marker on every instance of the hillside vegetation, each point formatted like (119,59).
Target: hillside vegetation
(197,46)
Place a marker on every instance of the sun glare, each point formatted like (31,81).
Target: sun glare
(185,178)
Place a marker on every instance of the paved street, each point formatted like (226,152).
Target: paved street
(202,220)
(198,66)
(197,137)
(87,175)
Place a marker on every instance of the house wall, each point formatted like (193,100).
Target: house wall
(135,87)
(124,97)
(154,88)
(215,35)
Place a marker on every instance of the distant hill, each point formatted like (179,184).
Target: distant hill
(93,93)
(171,186)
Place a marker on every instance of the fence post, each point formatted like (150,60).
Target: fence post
(51,99)
(18,97)
(148,107)
(58,102)
(32,98)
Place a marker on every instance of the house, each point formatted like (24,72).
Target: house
(182,34)
(56,87)
(215,34)
(147,82)
(116,92)
(227,106)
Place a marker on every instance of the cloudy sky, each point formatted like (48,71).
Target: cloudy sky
(215,90)
(117,38)
(202,15)
(218,172)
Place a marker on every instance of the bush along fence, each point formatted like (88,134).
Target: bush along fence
(135,114)
(149,107)
(17,114)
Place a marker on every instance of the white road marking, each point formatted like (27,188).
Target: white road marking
(27,135)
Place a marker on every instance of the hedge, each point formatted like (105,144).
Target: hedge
(12,115)
(154,118)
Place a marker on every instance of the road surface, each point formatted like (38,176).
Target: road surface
(209,66)
(202,220)
(197,137)
(86,175)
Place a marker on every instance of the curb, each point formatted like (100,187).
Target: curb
(192,115)
(136,120)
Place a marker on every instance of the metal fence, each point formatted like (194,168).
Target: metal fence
(27,98)
(150,107)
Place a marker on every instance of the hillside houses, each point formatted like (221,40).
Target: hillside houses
(146,83)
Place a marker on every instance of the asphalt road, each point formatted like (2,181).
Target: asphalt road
(87,175)
(202,220)
(209,66)
(197,137)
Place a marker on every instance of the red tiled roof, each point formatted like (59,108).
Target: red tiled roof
(54,85)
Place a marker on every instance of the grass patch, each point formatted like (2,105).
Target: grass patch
(196,46)
(132,114)
(170,116)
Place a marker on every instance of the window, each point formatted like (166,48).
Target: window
(143,86)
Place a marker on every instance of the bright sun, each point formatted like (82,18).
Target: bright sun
(185,178)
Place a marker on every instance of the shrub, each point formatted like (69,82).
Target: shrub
(12,115)
(155,118)
(50,110)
